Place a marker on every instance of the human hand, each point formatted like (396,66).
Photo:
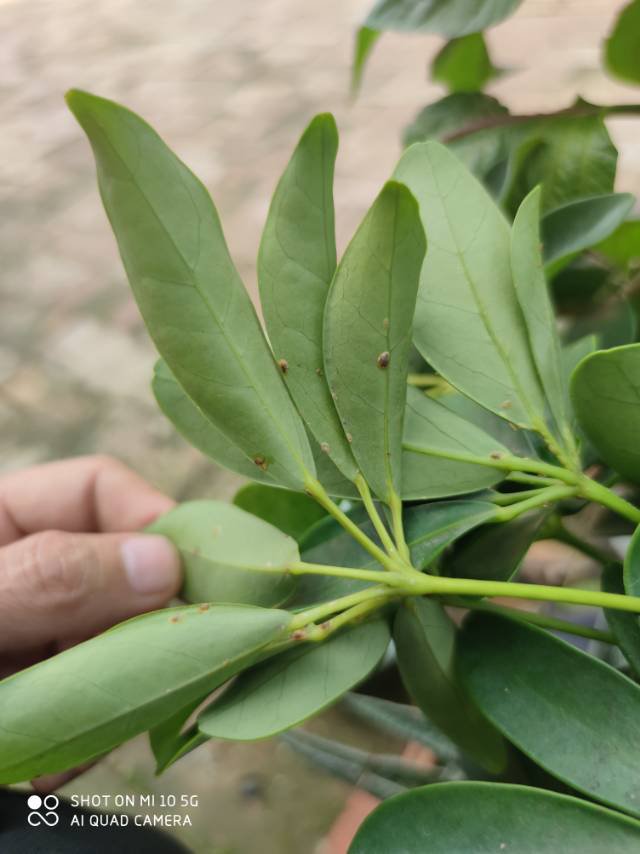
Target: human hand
(70,565)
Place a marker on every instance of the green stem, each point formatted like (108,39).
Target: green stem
(503,499)
(544,496)
(535,618)
(395,505)
(300,567)
(356,612)
(369,505)
(532,479)
(321,612)
(595,491)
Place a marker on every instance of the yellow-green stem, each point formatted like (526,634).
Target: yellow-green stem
(369,505)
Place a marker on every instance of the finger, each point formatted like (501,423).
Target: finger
(83,494)
(56,586)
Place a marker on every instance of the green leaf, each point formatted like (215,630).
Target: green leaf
(296,262)
(580,225)
(170,741)
(531,289)
(623,246)
(437,447)
(622,48)
(450,115)
(518,442)
(466,289)
(223,549)
(573,715)
(606,400)
(486,818)
(624,625)
(452,18)
(367,333)
(196,428)
(291,512)
(494,552)
(365,41)
(84,701)
(286,690)
(191,297)
(464,64)
(632,566)
(425,639)
(574,352)
(613,322)
(402,721)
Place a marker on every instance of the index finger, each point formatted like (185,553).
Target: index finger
(85,494)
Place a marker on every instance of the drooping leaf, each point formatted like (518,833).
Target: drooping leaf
(485,818)
(623,246)
(606,399)
(296,262)
(197,429)
(632,566)
(451,19)
(466,289)
(365,41)
(624,625)
(580,225)
(402,721)
(92,697)
(292,513)
(570,713)
(367,333)
(464,64)
(286,690)
(533,296)
(223,549)
(191,297)
(622,48)
(425,639)
(437,445)
(451,114)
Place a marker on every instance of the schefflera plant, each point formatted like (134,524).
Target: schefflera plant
(400,502)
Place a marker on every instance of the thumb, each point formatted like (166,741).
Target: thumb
(57,586)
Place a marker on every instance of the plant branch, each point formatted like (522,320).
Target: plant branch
(320,612)
(381,529)
(542,497)
(395,505)
(300,567)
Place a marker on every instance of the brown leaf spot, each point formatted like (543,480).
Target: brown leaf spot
(324,447)
(496,455)
(319,371)
(385,323)
(383,359)
(299,634)
(261,462)
(175,618)
(283,365)
(506,404)
(349,438)
(204,607)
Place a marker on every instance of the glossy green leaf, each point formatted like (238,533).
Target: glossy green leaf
(573,715)
(293,513)
(451,114)
(92,697)
(436,444)
(401,721)
(425,639)
(191,297)
(451,18)
(494,552)
(623,246)
(196,428)
(533,296)
(296,262)
(223,549)
(286,690)
(466,289)
(622,48)
(632,566)
(464,64)
(365,41)
(488,818)
(580,225)
(624,625)
(606,399)
(367,333)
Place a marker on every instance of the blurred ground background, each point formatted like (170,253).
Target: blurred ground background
(230,86)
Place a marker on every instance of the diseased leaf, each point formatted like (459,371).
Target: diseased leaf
(533,296)
(123,682)
(464,64)
(296,262)
(291,512)
(466,290)
(437,447)
(191,297)
(367,333)
(580,225)
(544,694)
(196,428)
(622,48)
(624,625)
(425,638)
(286,690)
(223,549)
(606,399)
(451,18)
(485,818)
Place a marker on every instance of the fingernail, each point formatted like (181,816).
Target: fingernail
(151,564)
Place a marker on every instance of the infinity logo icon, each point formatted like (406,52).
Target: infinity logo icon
(49,804)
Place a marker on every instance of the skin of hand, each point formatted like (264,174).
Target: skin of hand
(71,561)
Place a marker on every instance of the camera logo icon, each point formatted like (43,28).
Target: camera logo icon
(43,810)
